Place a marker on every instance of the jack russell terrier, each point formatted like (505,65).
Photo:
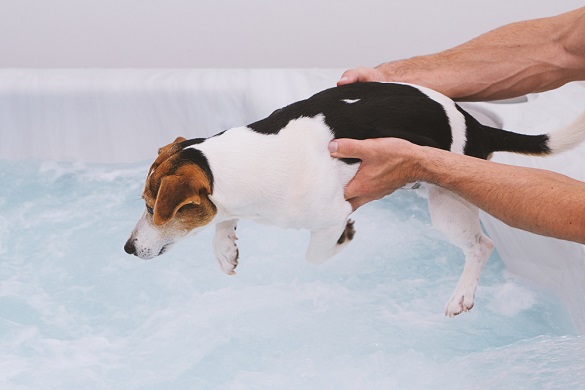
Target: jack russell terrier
(278,171)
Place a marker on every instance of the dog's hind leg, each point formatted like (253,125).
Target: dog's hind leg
(327,242)
(458,220)
(224,246)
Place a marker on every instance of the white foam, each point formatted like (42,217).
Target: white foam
(76,311)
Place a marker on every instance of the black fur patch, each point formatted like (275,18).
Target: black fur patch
(190,142)
(370,110)
(348,233)
(195,156)
(483,140)
(376,110)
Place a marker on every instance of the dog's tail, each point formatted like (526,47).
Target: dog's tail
(568,137)
(541,145)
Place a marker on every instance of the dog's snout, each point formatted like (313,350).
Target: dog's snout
(129,247)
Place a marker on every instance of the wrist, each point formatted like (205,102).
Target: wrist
(429,164)
(405,71)
(417,163)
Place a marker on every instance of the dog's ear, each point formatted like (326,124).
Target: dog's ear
(176,191)
(169,146)
(165,152)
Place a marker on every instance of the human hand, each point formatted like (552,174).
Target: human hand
(359,75)
(387,164)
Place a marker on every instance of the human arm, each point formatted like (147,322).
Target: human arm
(519,58)
(539,201)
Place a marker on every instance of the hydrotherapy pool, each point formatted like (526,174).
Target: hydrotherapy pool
(77,312)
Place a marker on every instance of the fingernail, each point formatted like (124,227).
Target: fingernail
(332,147)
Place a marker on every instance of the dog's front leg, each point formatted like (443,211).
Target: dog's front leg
(329,241)
(224,246)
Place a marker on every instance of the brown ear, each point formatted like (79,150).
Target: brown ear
(175,191)
(167,147)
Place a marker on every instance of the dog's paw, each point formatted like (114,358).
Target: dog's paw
(226,252)
(459,303)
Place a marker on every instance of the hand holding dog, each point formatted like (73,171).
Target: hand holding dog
(513,60)
(387,164)
(363,74)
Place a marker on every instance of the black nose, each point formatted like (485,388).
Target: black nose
(129,247)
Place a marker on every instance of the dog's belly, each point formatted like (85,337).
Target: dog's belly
(307,200)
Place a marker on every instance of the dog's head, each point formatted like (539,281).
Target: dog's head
(176,194)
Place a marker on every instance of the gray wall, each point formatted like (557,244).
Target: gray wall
(241,34)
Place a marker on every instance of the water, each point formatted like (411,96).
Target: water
(77,312)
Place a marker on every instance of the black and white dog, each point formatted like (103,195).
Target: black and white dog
(278,171)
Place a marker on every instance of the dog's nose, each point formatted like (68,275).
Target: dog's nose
(129,247)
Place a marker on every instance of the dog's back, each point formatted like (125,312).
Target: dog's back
(417,114)
(374,110)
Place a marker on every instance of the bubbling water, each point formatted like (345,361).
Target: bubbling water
(77,312)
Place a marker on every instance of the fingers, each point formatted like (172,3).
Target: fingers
(382,169)
(360,75)
(358,202)
(346,148)
(348,77)
(350,148)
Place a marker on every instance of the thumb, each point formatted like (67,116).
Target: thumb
(346,148)
(360,75)
(349,77)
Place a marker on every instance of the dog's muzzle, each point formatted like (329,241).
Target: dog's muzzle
(130,248)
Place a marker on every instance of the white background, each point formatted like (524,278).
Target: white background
(242,34)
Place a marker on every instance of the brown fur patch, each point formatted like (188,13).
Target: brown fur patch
(178,192)
(164,153)
(171,146)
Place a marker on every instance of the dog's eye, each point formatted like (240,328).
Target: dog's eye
(149,210)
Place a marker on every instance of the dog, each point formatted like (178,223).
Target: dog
(278,171)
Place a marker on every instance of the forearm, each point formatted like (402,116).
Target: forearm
(539,201)
(513,60)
